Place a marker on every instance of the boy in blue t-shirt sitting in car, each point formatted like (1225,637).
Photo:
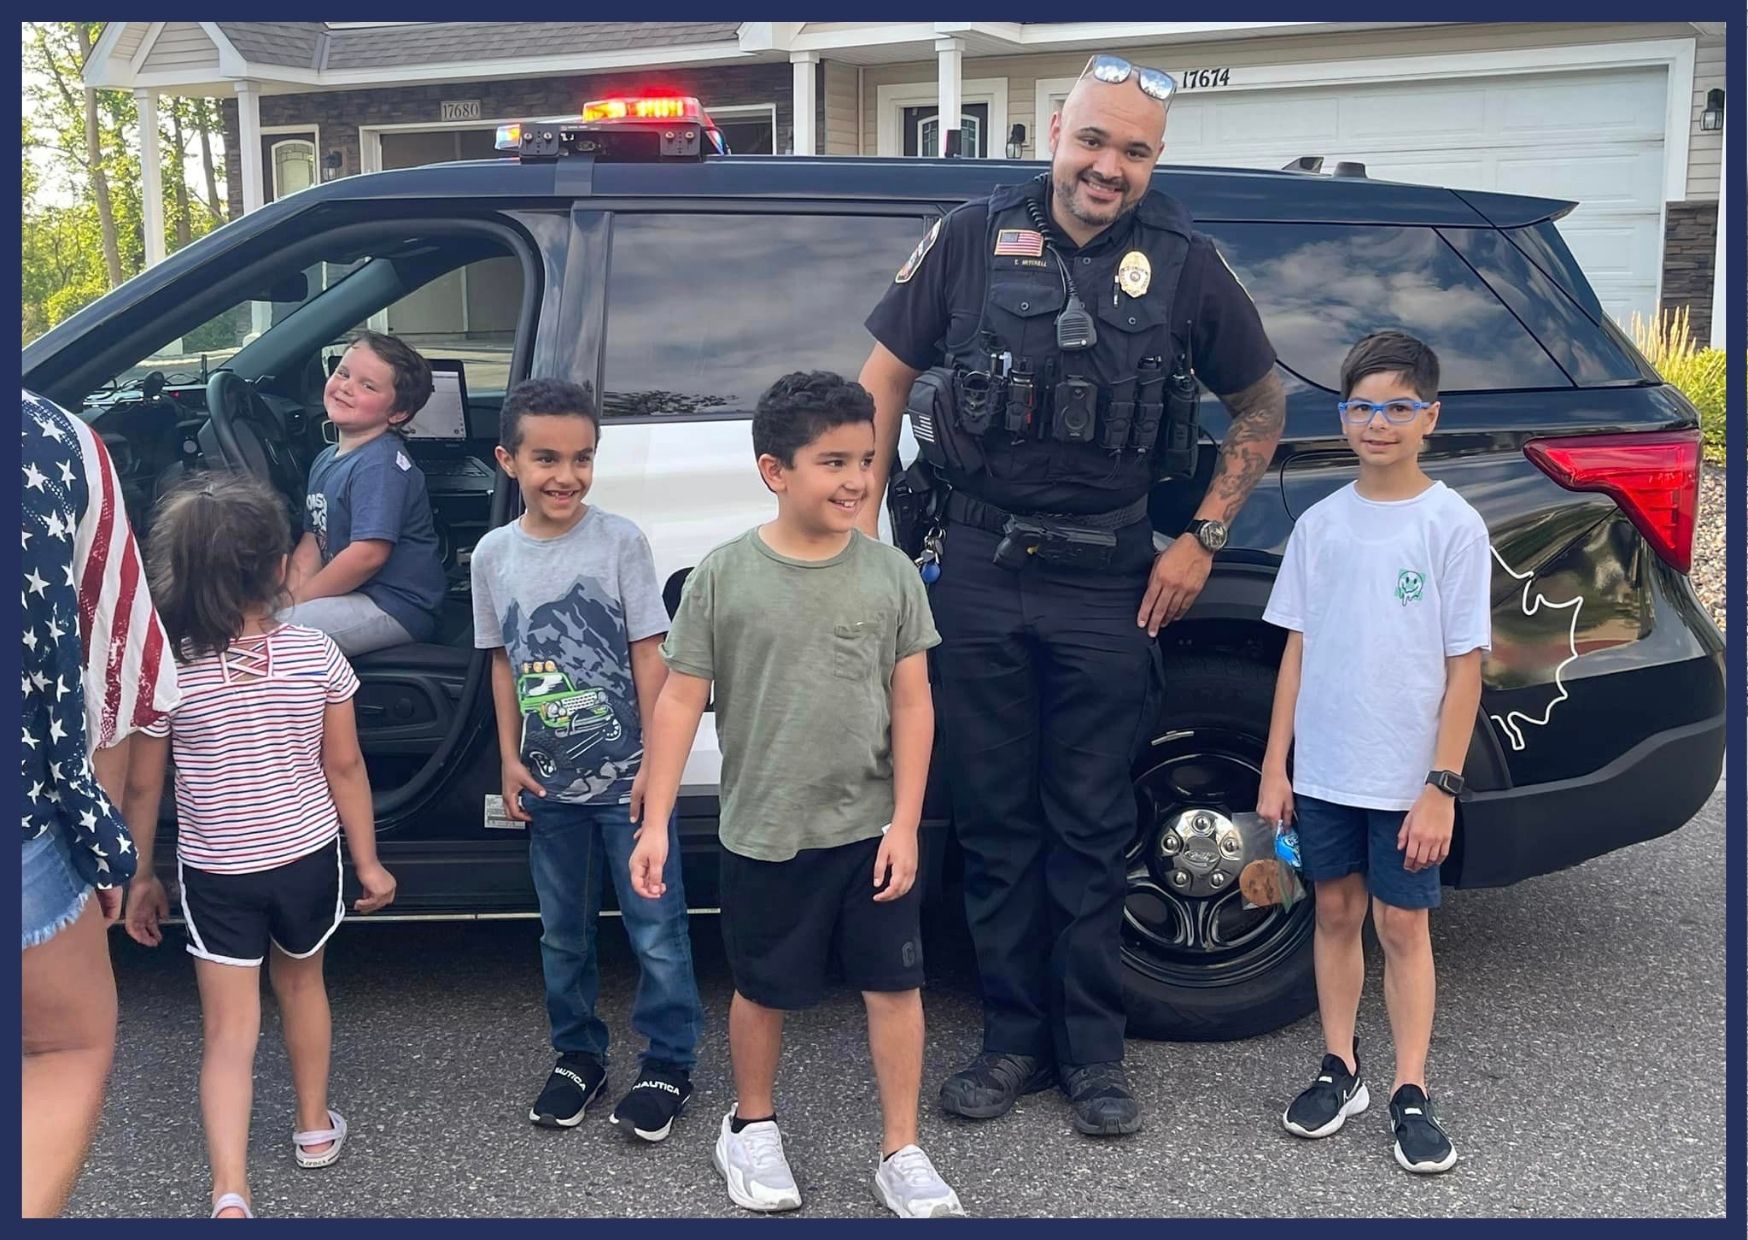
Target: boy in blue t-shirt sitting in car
(367,571)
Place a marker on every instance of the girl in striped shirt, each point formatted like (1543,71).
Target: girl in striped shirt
(268,772)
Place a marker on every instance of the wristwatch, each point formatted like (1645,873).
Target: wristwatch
(1211,534)
(1448,782)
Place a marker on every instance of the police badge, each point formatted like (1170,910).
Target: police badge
(1134,273)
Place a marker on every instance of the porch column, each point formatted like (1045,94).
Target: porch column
(804,104)
(1721,286)
(249,138)
(950,58)
(151,172)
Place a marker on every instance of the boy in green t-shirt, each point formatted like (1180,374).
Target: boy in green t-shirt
(813,637)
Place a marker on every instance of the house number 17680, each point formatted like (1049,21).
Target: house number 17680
(1202,79)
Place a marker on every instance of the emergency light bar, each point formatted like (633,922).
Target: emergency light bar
(631,129)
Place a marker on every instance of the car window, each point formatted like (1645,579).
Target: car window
(466,315)
(1320,287)
(705,311)
(1582,347)
(192,356)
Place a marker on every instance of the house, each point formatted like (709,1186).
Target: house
(1625,118)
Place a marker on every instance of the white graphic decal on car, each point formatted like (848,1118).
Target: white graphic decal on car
(1513,722)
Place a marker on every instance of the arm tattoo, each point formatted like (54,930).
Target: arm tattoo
(1258,413)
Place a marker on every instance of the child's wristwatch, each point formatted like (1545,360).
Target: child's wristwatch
(1448,782)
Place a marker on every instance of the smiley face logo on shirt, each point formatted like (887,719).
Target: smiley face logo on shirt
(1410,585)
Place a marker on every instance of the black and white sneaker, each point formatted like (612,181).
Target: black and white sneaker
(577,1081)
(649,1108)
(1324,1106)
(1422,1145)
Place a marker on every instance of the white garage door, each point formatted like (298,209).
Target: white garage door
(1595,137)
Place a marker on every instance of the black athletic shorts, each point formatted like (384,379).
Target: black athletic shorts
(231,918)
(786,922)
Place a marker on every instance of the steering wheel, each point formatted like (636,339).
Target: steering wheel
(248,434)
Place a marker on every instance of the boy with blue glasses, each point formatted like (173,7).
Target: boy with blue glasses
(1384,595)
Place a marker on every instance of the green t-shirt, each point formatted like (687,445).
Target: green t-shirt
(801,653)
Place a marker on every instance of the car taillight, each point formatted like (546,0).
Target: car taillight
(1653,476)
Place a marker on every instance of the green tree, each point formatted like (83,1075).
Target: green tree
(83,214)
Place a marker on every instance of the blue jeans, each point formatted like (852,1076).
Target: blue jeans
(572,849)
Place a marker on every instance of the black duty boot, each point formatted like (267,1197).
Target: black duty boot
(993,1083)
(1099,1096)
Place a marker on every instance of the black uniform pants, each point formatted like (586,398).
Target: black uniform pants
(1045,685)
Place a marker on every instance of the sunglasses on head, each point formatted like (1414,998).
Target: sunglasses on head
(1156,83)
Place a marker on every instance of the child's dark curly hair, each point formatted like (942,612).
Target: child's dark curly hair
(800,407)
(217,552)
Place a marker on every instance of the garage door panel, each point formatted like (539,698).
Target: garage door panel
(1381,117)
(1600,178)
(1622,301)
(1619,106)
(1240,118)
(1609,249)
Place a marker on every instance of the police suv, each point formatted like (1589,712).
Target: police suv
(626,250)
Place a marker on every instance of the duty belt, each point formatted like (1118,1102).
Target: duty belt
(961,507)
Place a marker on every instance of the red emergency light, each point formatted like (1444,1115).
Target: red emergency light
(646,108)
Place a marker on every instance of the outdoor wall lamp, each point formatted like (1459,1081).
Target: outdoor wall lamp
(1017,142)
(1712,119)
(331,164)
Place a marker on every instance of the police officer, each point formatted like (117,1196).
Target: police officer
(1042,342)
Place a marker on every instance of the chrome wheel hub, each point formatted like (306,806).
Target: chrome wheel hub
(1201,852)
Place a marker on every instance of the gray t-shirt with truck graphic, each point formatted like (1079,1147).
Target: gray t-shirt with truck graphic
(566,611)
(801,653)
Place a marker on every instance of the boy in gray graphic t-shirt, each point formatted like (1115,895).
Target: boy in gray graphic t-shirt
(565,598)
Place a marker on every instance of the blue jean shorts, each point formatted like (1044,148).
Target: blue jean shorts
(54,895)
(1338,840)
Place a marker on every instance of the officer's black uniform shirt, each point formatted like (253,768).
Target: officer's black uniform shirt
(943,299)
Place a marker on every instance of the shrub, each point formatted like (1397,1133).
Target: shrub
(1697,373)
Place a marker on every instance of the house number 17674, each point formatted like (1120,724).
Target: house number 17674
(1202,79)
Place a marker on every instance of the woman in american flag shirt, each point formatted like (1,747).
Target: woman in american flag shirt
(96,667)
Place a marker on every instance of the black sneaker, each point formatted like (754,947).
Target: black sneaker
(1421,1143)
(1324,1106)
(576,1082)
(993,1083)
(1099,1097)
(650,1106)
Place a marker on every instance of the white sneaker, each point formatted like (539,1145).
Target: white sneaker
(752,1163)
(910,1187)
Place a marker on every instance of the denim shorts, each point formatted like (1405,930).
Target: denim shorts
(54,895)
(1338,840)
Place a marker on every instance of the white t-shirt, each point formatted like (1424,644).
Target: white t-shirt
(1383,592)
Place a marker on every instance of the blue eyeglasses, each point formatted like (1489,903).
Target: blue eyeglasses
(1398,412)
(1113,69)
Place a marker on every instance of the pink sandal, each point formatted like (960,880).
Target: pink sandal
(231,1201)
(336,1134)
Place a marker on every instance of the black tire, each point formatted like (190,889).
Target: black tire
(1207,751)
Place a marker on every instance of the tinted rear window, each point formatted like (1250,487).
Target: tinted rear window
(1588,353)
(705,311)
(1320,287)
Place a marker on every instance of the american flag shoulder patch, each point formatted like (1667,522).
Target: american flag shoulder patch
(1019,243)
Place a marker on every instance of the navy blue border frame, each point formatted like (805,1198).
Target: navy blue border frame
(1736,847)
